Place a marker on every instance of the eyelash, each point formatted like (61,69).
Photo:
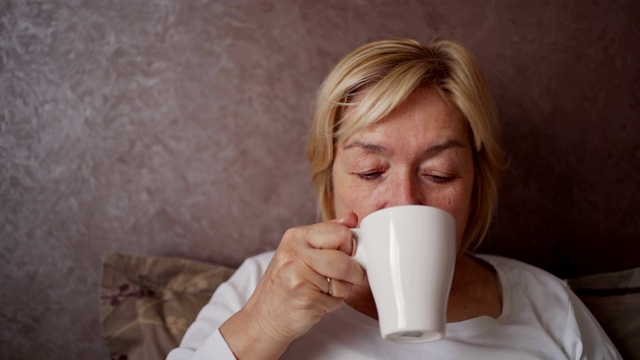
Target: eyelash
(440,179)
(368,176)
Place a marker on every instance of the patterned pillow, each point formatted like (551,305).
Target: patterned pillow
(614,299)
(147,303)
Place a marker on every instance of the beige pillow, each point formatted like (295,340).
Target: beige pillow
(147,303)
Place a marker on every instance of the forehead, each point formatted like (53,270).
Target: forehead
(423,116)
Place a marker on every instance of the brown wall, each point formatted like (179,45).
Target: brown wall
(178,128)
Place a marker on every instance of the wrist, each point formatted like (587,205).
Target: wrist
(247,340)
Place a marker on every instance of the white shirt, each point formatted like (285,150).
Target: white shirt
(541,319)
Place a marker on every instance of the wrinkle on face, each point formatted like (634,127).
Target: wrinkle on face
(403,159)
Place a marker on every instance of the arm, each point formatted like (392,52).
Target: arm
(288,300)
(594,341)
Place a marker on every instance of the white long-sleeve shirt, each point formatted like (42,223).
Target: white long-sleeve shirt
(541,319)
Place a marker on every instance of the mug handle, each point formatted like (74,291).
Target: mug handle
(359,256)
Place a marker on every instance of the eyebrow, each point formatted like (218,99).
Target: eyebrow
(430,151)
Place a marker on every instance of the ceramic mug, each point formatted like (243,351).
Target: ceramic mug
(409,254)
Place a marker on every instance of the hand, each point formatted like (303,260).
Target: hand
(293,294)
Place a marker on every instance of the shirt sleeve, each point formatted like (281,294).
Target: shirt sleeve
(557,309)
(594,342)
(214,348)
(203,340)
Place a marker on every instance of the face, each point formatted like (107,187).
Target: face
(420,154)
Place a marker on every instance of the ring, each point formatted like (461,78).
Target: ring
(330,281)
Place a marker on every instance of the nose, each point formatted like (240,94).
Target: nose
(406,190)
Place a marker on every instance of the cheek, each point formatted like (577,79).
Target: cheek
(458,204)
(348,196)
(456,200)
(340,200)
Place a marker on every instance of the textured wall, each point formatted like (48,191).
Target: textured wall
(178,128)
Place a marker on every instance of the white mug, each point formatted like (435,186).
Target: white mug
(409,254)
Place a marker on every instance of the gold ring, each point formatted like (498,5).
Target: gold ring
(330,281)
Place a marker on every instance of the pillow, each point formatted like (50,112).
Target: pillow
(614,299)
(147,303)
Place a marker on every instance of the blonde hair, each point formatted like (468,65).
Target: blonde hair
(390,71)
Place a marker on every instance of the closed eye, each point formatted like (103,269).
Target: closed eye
(438,179)
(372,175)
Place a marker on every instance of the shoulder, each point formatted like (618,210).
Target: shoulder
(260,261)
(518,271)
(526,286)
(252,268)
(554,305)
(239,287)
(509,263)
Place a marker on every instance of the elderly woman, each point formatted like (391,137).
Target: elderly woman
(396,123)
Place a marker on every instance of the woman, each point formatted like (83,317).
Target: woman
(396,122)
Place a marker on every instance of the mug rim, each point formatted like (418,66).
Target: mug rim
(381,212)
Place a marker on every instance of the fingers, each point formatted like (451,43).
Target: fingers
(334,234)
(335,264)
(338,289)
(333,288)
(350,220)
(326,249)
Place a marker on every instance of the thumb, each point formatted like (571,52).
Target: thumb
(349,220)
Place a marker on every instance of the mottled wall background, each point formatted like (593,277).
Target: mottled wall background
(178,128)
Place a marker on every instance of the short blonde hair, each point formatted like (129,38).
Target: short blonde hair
(391,70)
